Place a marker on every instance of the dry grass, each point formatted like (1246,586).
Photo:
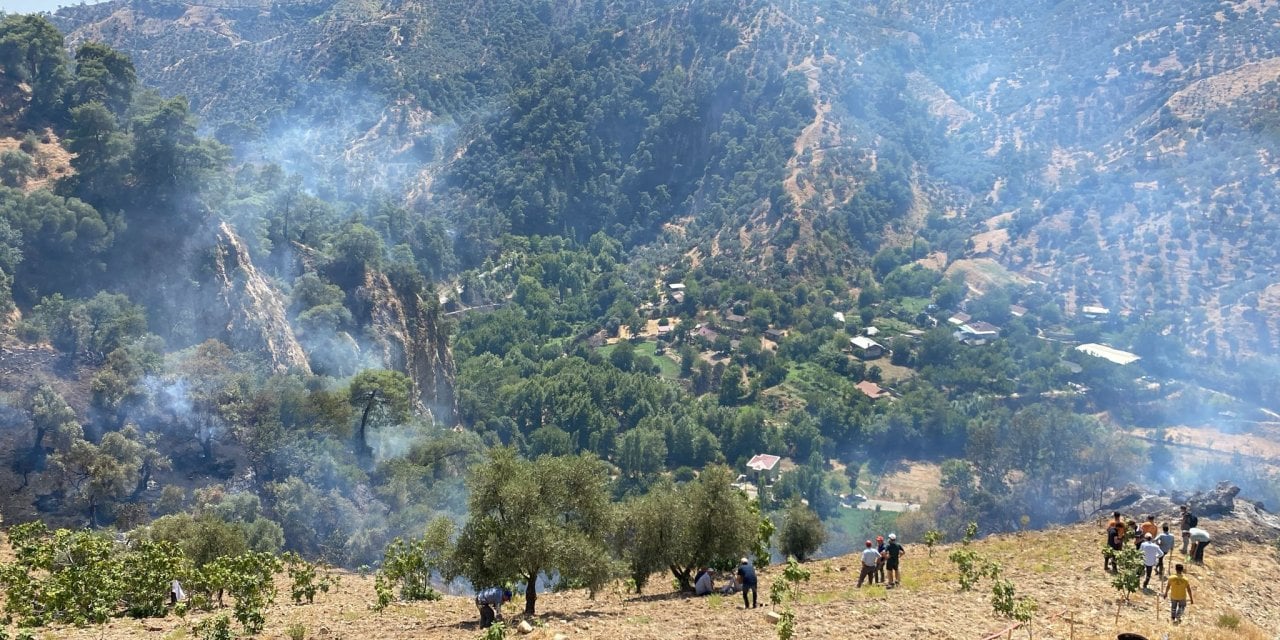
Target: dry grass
(1060,568)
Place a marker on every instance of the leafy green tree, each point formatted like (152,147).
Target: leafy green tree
(701,523)
(354,250)
(101,159)
(64,242)
(530,517)
(31,51)
(54,423)
(381,398)
(410,563)
(16,167)
(802,532)
(642,452)
(170,162)
(103,75)
(96,476)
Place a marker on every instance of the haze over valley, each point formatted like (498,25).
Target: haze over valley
(409,284)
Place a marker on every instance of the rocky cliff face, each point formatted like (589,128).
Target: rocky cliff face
(408,336)
(253,309)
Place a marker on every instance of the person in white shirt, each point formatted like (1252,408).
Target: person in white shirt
(1199,540)
(704,585)
(870,560)
(1151,555)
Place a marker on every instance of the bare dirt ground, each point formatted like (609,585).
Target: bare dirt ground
(1059,568)
(911,482)
(52,162)
(1260,444)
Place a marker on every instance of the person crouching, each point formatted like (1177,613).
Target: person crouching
(490,602)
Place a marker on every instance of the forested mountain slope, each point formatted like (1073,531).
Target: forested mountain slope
(1132,142)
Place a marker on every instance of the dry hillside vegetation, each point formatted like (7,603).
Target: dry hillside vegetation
(51,161)
(1060,568)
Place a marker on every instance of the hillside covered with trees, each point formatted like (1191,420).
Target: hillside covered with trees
(514,292)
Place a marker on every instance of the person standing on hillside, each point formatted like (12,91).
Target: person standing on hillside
(1132,529)
(1149,527)
(1189,520)
(1118,523)
(1151,555)
(870,560)
(1115,540)
(1165,542)
(1178,590)
(894,553)
(1199,540)
(880,565)
(747,578)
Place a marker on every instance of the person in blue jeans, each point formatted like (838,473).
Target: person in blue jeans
(747,578)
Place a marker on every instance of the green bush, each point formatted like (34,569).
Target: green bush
(214,628)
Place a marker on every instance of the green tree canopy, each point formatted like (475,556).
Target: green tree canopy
(548,515)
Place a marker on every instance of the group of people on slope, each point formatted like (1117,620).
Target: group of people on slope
(881,559)
(1156,546)
(744,580)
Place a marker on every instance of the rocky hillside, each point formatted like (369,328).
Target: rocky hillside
(1235,593)
(1121,153)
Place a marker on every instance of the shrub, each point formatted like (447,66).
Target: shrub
(1228,621)
(296,631)
(972,567)
(932,537)
(214,628)
(305,578)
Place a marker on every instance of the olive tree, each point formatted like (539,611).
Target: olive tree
(528,517)
(705,522)
(802,532)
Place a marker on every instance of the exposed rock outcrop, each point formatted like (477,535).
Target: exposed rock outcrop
(254,310)
(409,337)
(1214,504)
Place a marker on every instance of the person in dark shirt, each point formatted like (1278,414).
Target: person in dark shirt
(747,578)
(1115,540)
(893,553)
(879,579)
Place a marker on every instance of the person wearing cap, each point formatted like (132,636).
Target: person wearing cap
(489,602)
(880,565)
(747,579)
(1151,555)
(870,560)
(893,552)
(704,582)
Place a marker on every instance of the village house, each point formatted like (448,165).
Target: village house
(1095,312)
(866,348)
(1110,354)
(872,390)
(977,333)
(765,466)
